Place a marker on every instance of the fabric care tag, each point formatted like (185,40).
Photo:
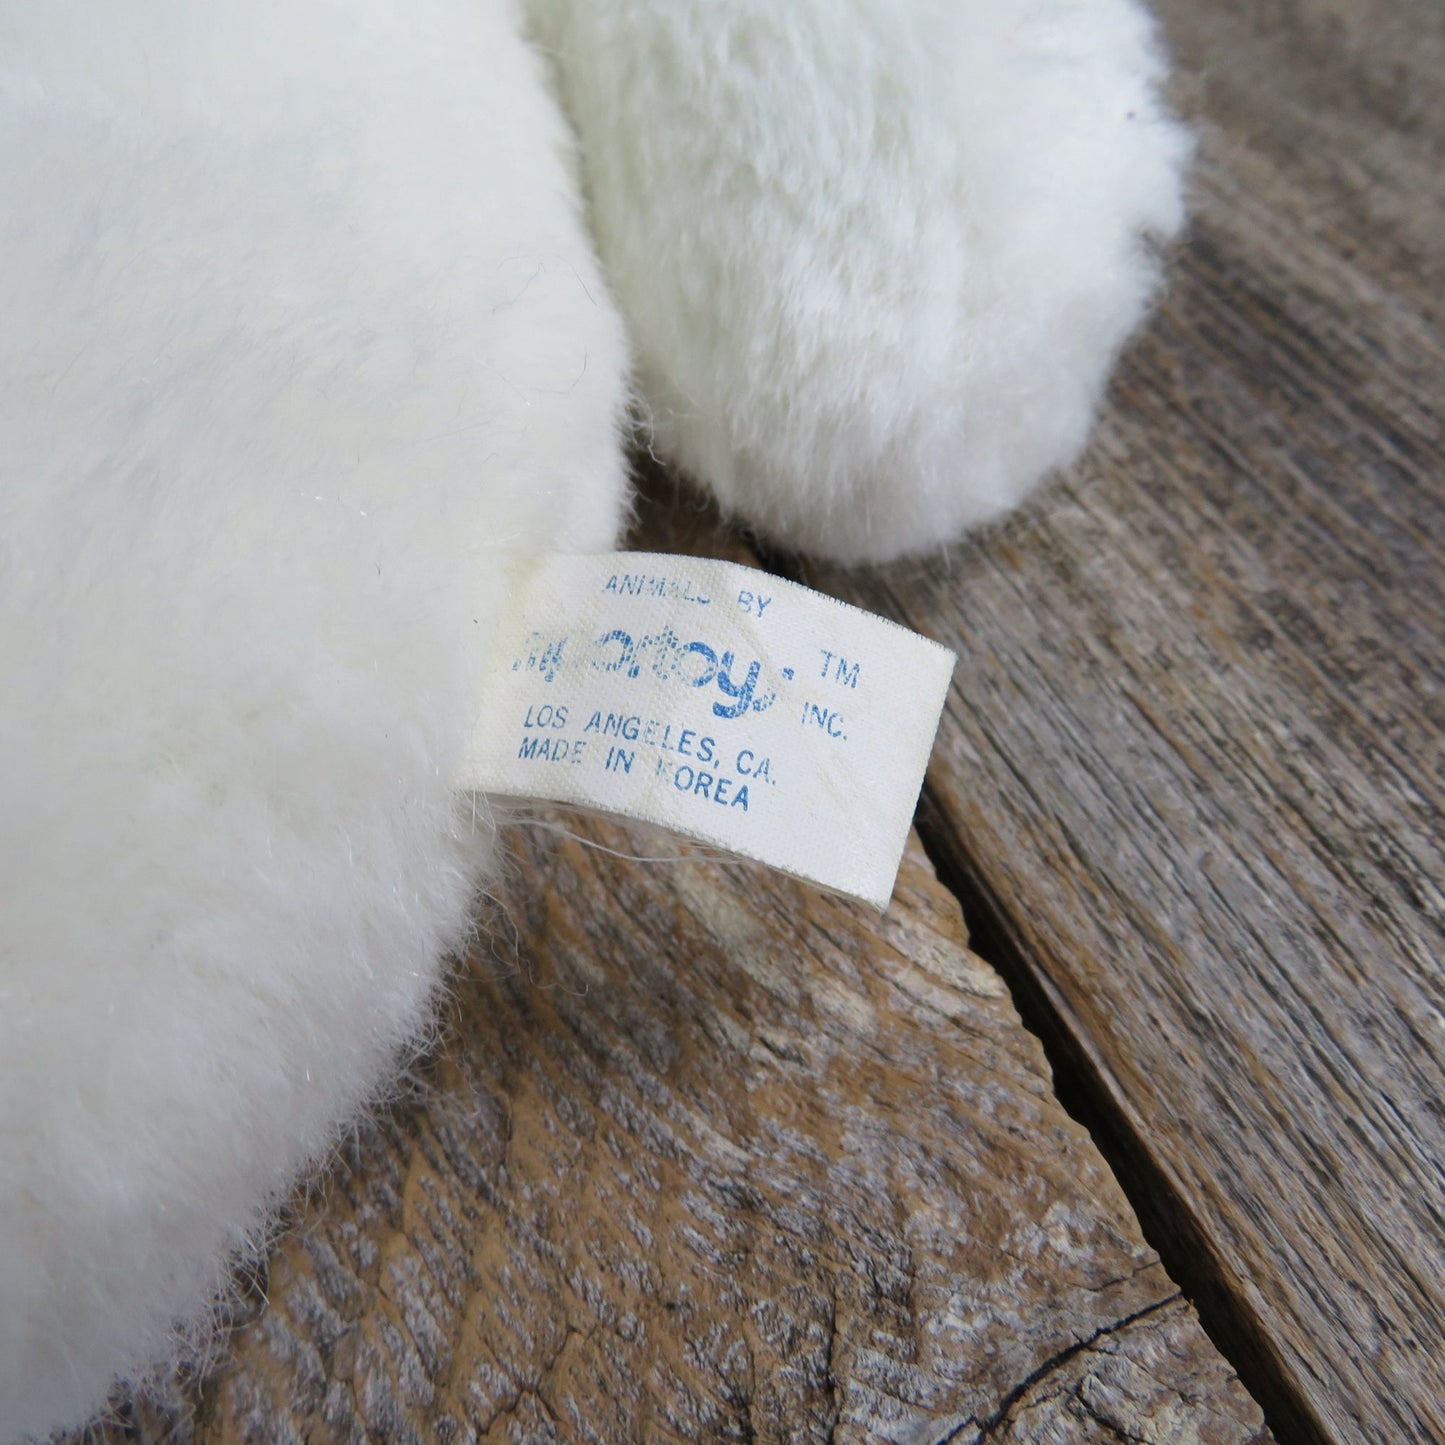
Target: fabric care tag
(716,700)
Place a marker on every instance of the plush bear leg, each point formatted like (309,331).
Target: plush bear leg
(299,323)
(877,256)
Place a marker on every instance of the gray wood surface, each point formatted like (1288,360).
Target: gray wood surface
(707,1155)
(704,1154)
(1192,771)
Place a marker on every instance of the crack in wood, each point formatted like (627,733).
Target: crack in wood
(1168,1225)
(991,1423)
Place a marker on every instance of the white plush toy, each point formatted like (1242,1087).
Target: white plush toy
(309,306)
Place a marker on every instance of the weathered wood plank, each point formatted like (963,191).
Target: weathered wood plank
(712,1156)
(708,1155)
(704,1154)
(1193,767)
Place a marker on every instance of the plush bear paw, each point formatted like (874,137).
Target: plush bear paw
(876,257)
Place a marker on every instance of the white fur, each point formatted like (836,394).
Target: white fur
(297,320)
(877,255)
(297,324)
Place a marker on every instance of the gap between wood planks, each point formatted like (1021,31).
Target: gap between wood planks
(1167,1223)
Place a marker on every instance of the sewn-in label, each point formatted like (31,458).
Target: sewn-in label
(716,700)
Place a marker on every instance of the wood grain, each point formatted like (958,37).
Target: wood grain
(1192,771)
(704,1154)
(707,1155)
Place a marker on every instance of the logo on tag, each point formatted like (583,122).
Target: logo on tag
(738,708)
